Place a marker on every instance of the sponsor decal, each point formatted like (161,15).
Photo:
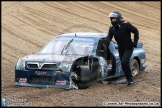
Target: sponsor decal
(58,82)
(109,66)
(21,60)
(68,62)
(143,60)
(76,39)
(23,80)
(144,64)
(40,72)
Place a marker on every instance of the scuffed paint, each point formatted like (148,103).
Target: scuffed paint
(72,84)
(65,66)
(104,67)
(119,68)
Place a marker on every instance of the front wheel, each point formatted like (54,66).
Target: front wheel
(84,85)
(134,67)
(83,77)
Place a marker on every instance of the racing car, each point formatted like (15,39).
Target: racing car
(75,61)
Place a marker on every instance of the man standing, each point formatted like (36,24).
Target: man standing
(121,31)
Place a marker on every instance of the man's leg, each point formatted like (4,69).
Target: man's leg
(126,65)
(121,51)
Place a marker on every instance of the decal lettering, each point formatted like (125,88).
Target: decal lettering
(58,82)
(68,62)
(143,60)
(109,66)
(23,80)
(40,72)
(76,39)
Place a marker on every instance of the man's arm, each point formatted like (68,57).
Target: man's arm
(134,30)
(109,36)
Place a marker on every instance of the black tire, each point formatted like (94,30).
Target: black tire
(84,77)
(84,85)
(134,67)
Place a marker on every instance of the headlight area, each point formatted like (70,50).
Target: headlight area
(20,64)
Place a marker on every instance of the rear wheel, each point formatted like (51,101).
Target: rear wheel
(134,67)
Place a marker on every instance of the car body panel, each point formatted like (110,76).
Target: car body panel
(49,68)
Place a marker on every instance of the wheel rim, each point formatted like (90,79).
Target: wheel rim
(134,69)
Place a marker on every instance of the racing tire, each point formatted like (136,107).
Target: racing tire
(84,85)
(134,67)
(84,77)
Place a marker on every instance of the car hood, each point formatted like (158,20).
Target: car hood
(50,57)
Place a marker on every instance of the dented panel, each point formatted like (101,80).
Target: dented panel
(104,67)
(65,66)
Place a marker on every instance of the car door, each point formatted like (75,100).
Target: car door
(117,70)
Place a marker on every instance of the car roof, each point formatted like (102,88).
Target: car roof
(85,34)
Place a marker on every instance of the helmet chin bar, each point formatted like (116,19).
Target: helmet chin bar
(115,23)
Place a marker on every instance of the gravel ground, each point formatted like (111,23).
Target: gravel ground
(28,26)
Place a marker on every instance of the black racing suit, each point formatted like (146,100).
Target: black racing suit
(122,35)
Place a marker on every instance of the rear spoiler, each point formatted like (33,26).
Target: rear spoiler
(139,45)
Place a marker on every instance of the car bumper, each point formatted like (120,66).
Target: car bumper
(49,80)
(41,86)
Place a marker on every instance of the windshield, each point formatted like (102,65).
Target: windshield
(62,45)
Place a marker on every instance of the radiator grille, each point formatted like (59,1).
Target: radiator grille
(36,65)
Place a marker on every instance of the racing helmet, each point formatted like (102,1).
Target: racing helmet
(118,17)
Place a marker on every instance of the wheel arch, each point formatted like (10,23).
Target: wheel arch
(138,60)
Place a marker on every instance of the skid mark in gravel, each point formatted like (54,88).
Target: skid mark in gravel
(13,48)
(26,21)
(21,37)
(75,14)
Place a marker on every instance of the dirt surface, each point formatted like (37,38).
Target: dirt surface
(28,26)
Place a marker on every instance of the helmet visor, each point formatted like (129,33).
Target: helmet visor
(113,15)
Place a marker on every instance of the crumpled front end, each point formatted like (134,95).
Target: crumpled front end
(58,78)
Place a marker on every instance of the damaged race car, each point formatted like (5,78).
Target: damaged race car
(74,61)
